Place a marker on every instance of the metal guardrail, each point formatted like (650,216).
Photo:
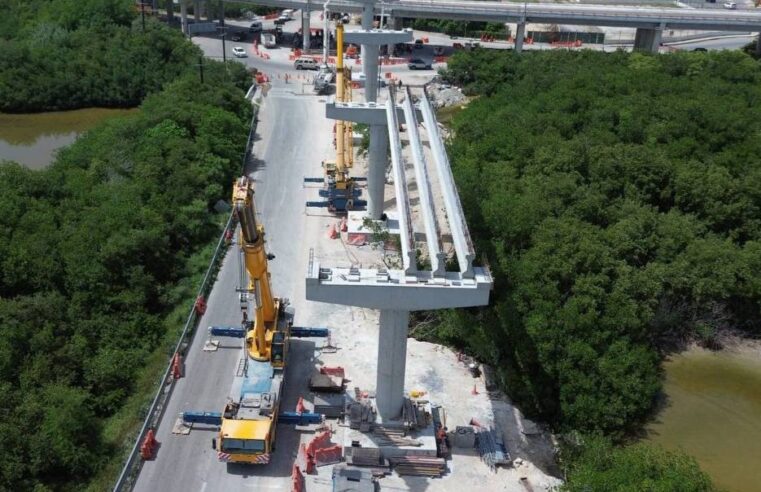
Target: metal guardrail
(131,468)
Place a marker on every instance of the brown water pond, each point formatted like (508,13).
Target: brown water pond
(33,139)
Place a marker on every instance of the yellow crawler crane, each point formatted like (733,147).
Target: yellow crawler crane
(249,420)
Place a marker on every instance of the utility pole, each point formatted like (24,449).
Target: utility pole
(142,14)
(224,53)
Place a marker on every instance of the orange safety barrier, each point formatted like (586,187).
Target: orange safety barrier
(440,59)
(321,440)
(389,75)
(177,366)
(425,40)
(297,479)
(300,408)
(332,231)
(327,456)
(200,305)
(333,371)
(149,445)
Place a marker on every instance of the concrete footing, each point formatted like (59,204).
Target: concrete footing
(358,443)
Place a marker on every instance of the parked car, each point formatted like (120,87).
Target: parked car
(700,49)
(280,21)
(238,36)
(304,63)
(287,13)
(418,44)
(239,52)
(327,72)
(255,26)
(730,5)
(418,64)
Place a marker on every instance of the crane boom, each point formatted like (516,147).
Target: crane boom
(252,244)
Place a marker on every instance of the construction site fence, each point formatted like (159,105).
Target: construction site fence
(166,384)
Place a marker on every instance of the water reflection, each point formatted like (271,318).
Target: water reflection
(714,414)
(33,139)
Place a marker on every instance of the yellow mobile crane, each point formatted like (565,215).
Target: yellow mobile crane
(249,420)
(341,190)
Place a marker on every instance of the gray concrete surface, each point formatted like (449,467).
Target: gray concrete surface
(292,138)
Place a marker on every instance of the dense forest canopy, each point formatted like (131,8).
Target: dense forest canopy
(618,199)
(99,248)
(70,54)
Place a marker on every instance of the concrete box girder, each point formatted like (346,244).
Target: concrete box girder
(378,37)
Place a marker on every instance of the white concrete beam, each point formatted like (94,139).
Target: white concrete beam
(400,187)
(432,237)
(457,225)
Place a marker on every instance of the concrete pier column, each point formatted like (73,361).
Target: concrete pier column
(305,32)
(377,157)
(184,17)
(392,360)
(648,40)
(370,67)
(367,23)
(520,33)
(390,24)
(169,4)
(197,10)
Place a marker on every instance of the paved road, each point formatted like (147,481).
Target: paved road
(293,136)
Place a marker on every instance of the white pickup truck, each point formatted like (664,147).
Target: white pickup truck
(268,40)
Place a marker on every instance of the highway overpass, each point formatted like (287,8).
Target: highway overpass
(649,21)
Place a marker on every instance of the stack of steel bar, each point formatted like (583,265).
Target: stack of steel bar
(394,437)
(491,449)
(426,466)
